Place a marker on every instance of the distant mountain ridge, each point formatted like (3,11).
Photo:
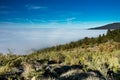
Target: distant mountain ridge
(108,26)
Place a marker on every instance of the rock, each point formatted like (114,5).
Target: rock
(34,78)
(52,62)
(76,67)
(92,73)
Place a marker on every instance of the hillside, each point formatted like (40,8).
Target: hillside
(108,26)
(87,59)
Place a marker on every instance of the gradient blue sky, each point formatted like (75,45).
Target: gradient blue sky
(58,13)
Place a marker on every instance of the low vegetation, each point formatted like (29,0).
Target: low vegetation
(86,59)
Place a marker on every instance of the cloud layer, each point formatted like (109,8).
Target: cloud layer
(22,41)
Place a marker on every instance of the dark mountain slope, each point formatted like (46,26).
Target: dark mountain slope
(109,26)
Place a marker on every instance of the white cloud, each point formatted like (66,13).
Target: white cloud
(33,7)
(39,20)
(37,7)
(71,18)
(7,12)
(4,12)
(3,7)
(10,23)
(37,23)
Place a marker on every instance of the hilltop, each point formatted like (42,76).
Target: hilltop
(108,26)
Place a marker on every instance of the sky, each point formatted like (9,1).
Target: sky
(20,20)
(58,13)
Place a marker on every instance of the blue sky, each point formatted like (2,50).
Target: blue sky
(58,13)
